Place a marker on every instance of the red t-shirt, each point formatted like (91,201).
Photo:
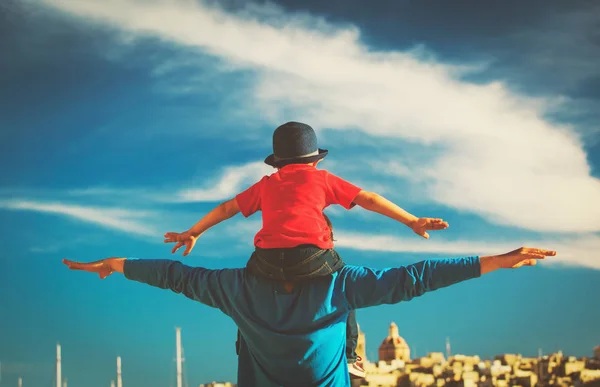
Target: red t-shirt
(292,202)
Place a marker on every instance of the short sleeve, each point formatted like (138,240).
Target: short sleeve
(341,192)
(249,201)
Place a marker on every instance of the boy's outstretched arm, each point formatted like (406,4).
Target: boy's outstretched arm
(188,238)
(377,203)
(218,214)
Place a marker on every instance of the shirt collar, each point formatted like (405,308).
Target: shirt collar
(296,167)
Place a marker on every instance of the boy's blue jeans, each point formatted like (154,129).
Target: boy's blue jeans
(302,263)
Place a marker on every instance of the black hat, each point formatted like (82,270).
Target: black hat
(293,143)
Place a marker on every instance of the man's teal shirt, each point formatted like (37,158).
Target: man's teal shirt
(298,338)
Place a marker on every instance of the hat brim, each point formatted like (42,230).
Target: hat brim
(270,160)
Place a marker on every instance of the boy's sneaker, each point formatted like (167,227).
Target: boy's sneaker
(356,369)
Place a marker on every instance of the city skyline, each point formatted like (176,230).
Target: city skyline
(124,119)
(375,362)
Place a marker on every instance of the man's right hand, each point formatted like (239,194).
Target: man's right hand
(183,239)
(524,256)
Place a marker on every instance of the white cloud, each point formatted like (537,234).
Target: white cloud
(134,222)
(45,249)
(225,185)
(582,251)
(55,245)
(232,180)
(499,158)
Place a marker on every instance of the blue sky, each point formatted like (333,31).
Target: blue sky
(121,120)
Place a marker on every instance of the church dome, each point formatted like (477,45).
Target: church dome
(394,347)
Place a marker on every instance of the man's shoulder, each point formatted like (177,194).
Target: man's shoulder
(350,273)
(347,269)
(229,280)
(230,272)
(223,275)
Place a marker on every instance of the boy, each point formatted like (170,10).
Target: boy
(295,242)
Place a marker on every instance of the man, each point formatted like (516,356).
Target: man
(294,334)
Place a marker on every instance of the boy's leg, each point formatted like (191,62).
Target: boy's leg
(355,367)
(237,343)
(351,337)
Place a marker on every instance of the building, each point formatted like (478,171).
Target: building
(396,369)
(394,347)
(390,370)
(590,376)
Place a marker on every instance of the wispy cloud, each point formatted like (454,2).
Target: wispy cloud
(581,251)
(499,158)
(114,218)
(225,184)
(55,246)
(231,181)
(46,249)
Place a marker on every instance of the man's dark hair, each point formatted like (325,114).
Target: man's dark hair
(328,221)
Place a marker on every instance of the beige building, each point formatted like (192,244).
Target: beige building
(597,352)
(508,359)
(524,378)
(433,358)
(418,379)
(588,376)
(393,352)
(510,370)
(394,347)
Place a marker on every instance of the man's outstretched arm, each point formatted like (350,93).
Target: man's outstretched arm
(367,287)
(209,287)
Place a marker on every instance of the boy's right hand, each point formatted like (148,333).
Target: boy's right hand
(183,239)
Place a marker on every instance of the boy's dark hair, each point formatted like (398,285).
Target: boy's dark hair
(328,221)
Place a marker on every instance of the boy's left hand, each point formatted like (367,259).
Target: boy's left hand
(421,225)
(183,239)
